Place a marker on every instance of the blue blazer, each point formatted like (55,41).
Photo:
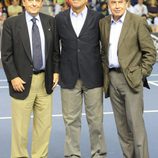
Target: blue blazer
(80,56)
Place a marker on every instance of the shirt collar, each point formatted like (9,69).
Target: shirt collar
(121,20)
(83,13)
(29,17)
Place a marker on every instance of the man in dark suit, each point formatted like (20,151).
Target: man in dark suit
(30,60)
(81,77)
(128,55)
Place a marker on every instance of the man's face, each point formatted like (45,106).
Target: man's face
(33,6)
(118,8)
(77,5)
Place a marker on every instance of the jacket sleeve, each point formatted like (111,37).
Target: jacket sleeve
(147,48)
(56,50)
(7,51)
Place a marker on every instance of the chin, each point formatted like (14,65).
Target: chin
(34,13)
(118,15)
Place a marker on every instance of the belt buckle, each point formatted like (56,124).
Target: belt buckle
(115,69)
(38,72)
(118,70)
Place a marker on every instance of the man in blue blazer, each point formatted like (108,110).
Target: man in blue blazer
(81,77)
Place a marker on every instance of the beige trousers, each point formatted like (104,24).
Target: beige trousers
(72,110)
(128,111)
(40,103)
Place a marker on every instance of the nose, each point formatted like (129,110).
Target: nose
(34,2)
(117,4)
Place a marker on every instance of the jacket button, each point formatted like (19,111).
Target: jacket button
(78,50)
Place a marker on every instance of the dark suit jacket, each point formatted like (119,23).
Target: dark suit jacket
(80,56)
(136,52)
(16,52)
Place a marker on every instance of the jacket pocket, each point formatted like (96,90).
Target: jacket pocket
(134,75)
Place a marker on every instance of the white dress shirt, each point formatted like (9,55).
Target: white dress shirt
(115,31)
(29,26)
(78,20)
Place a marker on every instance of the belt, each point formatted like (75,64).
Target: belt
(118,69)
(38,72)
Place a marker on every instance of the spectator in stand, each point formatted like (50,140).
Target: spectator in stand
(140,8)
(130,8)
(64,6)
(156,24)
(134,2)
(156,20)
(152,6)
(7,3)
(3,16)
(104,8)
(58,6)
(15,8)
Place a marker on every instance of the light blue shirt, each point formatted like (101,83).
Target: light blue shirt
(115,31)
(78,20)
(29,26)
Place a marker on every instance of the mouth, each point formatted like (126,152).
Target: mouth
(117,11)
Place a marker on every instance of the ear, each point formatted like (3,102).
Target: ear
(126,5)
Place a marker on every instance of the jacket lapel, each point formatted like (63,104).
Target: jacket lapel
(25,35)
(107,35)
(85,25)
(125,27)
(105,24)
(46,29)
(107,31)
(69,23)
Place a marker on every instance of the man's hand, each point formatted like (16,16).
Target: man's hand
(18,84)
(55,80)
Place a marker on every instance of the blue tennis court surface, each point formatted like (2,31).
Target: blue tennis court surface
(56,148)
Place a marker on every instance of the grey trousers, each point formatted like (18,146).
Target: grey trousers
(72,100)
(128,111)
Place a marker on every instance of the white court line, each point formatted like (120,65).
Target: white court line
(4,87)
(153,75)
(83,114)
(154,83)
(3,80)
